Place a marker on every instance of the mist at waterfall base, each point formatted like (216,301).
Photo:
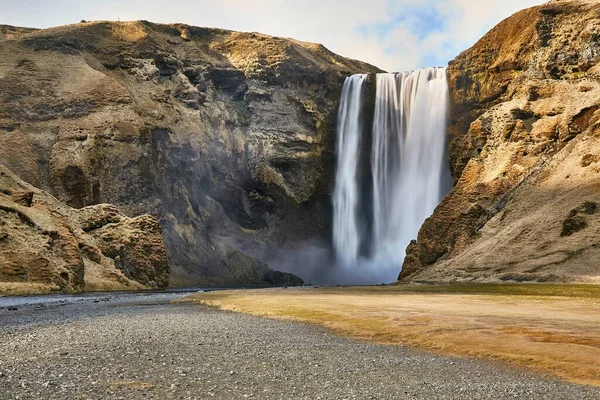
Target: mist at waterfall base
(381,201)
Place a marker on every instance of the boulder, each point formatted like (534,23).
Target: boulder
(47,246)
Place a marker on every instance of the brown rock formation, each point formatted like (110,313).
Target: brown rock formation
(226,137)
(47,246)
(525,141)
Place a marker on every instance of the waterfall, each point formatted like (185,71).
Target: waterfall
(407,157)
(407,160)
(345,225)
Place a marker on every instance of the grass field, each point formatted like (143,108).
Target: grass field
(550,328)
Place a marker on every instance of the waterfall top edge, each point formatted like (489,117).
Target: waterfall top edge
(361,76)
(437,70)
(414,71)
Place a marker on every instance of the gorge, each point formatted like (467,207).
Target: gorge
(262,218)
(228,141)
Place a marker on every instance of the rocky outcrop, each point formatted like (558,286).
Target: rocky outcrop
(524,146)
(577,220)
(47,246)
(226,137)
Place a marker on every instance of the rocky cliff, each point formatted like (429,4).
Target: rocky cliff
(226,137)
(524,153)
(47,246)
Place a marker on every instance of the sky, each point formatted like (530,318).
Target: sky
(395,35)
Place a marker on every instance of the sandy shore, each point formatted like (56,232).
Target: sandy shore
(145,347)
(553,329)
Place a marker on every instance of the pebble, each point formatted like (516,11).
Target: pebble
(127,350)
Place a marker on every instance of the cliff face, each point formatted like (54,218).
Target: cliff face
(524,153)
(47,246)
(226,137)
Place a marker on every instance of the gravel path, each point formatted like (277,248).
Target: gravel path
(142,347)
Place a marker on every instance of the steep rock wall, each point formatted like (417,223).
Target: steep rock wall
(524,150)
(226,137)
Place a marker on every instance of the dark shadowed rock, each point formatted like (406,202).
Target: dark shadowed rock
(278,278)
(573,224)
(576,221)
(24,198)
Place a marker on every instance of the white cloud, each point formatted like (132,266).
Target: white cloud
(392,34)
(462,23)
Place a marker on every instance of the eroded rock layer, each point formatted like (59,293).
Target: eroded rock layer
(524,153)
(226,137)
(48,246)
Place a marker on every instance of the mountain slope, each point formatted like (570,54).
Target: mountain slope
(226,137)
(524,152)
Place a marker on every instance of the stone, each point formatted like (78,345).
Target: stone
(24,198)
(589,159)
(202,86)
(573,224)
(48,246)
(412,261)
(576,220)
(137,248)
(186,35)
(94,217)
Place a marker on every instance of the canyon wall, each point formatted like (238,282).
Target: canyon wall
(524,149)
(227,138)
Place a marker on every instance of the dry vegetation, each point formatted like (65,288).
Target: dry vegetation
(550,328)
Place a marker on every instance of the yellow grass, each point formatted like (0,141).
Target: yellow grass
(554,329)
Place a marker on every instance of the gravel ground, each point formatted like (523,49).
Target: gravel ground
(142,347)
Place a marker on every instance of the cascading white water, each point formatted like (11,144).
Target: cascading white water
(407,162)
(345,226)
(407,157)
